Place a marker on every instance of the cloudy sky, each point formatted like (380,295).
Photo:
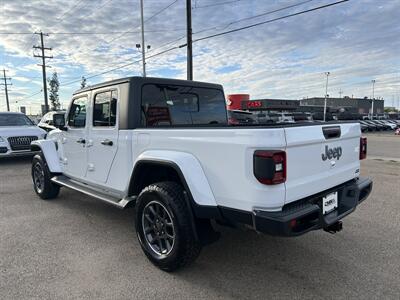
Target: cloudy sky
(356,41)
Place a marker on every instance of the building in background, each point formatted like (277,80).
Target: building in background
(243,102)
(345,108)
(361,106)
(270,105)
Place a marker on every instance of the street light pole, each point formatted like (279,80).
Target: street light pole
(326,93)
(189,40)
(143,47)
(373,98)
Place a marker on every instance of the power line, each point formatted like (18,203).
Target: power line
(161,10)
(215,35)
(269,12)
(29,96)
(226,25)
(148,19)
(217,4)
(77,3)
(150,51)
(12,33)
(93,32)
(269,21)
(171,42)
(121,67)
(167,30)
(98,8)
(243,19)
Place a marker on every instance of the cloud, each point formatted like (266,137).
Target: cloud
(22,79)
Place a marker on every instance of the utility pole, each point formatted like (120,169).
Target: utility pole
(143,47)
(340,93)
(6,84)
(326,93)
(43,65)
(373,98)
(189,39)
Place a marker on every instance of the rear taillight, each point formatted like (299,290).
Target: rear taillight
(363,148)
(270,166)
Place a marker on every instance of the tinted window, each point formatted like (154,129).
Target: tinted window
(77,113)
(182,105)
(105,108)
(241,117)
(14,120)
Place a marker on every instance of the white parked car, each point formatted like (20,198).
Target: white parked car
(165,146)
(46,123)
(17,132)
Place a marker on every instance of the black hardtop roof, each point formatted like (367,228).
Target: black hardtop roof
(144,80)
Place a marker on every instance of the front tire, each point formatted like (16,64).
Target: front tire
(41,176)
(164,226)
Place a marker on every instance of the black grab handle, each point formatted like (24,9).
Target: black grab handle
(331,132)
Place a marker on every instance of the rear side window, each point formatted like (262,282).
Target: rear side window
(168,105)
(105,109)
(77,112)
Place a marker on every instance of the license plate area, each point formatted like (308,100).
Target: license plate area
(329,203)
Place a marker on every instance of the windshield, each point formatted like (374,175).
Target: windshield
(14,120)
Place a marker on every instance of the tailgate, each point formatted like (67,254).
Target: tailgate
(320,157)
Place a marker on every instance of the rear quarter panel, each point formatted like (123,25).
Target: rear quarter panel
(226,157)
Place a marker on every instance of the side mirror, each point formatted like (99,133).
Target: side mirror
(59,121)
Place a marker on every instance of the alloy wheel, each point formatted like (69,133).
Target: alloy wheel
(158,228)
(38,177)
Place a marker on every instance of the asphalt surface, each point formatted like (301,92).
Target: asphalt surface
(383,145)
(75,247)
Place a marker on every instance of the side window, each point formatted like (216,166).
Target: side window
(77,113)
(168,105)
(105,109)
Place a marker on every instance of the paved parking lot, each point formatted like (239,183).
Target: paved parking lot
(383,145)
(77,248)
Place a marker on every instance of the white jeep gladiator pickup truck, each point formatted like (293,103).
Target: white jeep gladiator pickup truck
(165,147)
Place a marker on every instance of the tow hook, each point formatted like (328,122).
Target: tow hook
(336,227)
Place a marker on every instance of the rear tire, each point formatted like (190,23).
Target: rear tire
(41,176)
(164,226)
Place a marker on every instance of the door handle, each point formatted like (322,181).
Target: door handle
(81,141)
(107,142)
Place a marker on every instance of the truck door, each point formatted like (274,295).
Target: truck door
(74,138)
(103,134)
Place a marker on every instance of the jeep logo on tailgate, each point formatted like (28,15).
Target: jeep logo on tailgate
(332,153)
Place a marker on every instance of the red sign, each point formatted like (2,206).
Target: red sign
(254,104)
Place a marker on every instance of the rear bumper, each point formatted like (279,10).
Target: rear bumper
(305,215)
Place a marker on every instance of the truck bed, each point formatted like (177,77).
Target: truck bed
(226,156)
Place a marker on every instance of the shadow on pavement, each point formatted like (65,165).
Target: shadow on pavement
(18,160)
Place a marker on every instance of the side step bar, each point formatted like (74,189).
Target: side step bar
(69,183)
